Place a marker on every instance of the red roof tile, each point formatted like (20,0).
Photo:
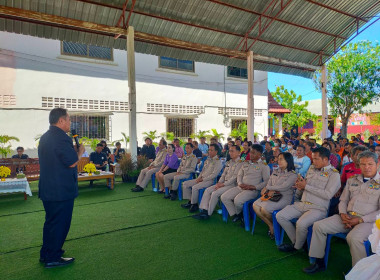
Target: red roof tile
(274,107)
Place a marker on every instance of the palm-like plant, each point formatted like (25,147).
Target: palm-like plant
(168,136)
(5,146)
(241,131)
(151,134)
(216,134)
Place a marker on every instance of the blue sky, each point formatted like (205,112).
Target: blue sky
(305,87)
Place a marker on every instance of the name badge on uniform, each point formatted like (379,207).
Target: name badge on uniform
(325,174)
(257,167)
(374,186)
(355,185)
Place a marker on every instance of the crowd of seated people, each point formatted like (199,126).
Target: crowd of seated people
(334,186)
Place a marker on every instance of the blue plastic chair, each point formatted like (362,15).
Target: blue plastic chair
(180,185)
(153,178)
(366,244)
(248,213)
(199,167)
(224,213)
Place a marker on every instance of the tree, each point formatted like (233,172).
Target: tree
(215,133)
(299,115)
(353,80)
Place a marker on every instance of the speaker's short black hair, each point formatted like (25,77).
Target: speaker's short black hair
(99,145)
(323,152)
(56,114)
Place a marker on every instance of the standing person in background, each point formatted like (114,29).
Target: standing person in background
(148,150)
(58,186)
(294,133)
(203,146)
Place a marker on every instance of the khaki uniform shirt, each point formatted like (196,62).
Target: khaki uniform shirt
(160,158)
(282,181)
(230,173)
(188,164)
(254,173)
(361,199)
(321,186)
(211,168)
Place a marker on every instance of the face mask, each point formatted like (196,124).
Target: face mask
(276,144)
(290,147)
(283,145)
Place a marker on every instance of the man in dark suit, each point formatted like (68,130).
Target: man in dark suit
(58,186)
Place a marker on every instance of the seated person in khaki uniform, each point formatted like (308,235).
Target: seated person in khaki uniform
(252,178)
(227,181)
(281,184)
(359,205)
(187,166)
(155,166)
(210,171)
(321,183)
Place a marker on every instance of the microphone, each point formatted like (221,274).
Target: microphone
(75,136)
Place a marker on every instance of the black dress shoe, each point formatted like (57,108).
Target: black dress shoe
(137,189)
(60,262)
(167,196)
(193,208)
(286,248)
(201,216)
(237,218)
(186,205)
(316,267)
(173,195)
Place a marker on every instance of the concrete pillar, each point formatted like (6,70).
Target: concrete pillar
(250,101)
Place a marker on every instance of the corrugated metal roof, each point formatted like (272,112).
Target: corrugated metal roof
(299,33)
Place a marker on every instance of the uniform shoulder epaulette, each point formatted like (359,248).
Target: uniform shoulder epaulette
(293,171)
(264,163)
(240,160)
(335,170)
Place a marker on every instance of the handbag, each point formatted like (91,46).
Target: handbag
(275,197)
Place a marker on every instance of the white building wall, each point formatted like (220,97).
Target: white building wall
(32,68)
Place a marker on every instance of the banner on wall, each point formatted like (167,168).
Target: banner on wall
(355,119)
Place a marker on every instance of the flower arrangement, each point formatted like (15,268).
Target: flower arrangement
(4,172)
(89,168)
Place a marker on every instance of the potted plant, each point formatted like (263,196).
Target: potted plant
(126,166)
(5,146)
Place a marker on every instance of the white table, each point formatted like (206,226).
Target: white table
(15,185)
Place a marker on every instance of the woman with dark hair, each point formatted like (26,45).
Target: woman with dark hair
(279,191)
(170,165)
(244,155)
(347,153)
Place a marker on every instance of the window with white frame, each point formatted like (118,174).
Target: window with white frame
(88,51)
(236,72)
(91,126)
(176,64)
(181,127)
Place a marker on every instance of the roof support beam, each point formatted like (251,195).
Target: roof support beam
(279,20)
(83,26)
(336,10)
(201,26)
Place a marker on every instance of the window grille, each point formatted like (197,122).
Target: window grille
(91,126)
(181,127)
(236,122)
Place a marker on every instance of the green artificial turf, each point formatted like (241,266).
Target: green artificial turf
(123,235)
